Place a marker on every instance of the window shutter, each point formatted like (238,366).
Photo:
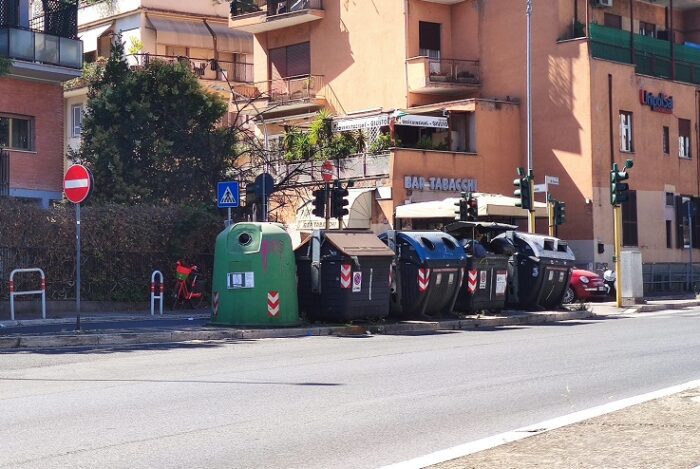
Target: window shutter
(299,60)
(278,63)
(679,222)
(429,35)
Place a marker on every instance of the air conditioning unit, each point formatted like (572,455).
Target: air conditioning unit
(603,3)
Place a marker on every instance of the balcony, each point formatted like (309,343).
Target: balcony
(259,16)
(359,166)
(233,72)
(442,76)
(445,2)
(651,56)
(287,95)
(45,47)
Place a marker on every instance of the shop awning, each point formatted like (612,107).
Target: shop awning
(182,33)
(228,40)
(359,217)
(90,36)
(489,205)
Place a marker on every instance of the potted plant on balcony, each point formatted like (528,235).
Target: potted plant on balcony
(438,76)
(466,77)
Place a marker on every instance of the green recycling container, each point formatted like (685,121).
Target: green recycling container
(254,281)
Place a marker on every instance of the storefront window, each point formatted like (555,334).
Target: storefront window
(626,141)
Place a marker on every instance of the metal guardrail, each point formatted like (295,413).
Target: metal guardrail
(670,277)
(14,293)
(241,72)
(450,70)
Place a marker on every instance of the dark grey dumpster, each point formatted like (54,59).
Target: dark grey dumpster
(539,270)
(428,272)
(343,276)
(486,279)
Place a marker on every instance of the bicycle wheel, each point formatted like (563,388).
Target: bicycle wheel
(176,296)
(199,301)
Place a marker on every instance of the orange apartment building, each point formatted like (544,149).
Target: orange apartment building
(453,71)
(40,41)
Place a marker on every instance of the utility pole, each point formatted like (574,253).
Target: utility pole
(530,163)
(550,214)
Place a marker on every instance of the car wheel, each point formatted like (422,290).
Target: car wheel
(569,296)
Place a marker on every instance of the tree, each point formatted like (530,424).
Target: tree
(4,66)
(151,135)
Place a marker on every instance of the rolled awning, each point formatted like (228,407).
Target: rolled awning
(90,36)
(182,33)
(489,205)
(228,40)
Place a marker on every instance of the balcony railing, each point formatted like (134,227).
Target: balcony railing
(287,90)
(651,56)
(272,7)
(32,46)
(238,72)
(453,71)
(352,167)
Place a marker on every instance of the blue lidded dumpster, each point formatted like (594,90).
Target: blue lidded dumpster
(428,270)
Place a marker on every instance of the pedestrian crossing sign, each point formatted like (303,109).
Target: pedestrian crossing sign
(228,194)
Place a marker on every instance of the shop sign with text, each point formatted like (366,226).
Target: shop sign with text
(657,103)
(360,123)
(419,183)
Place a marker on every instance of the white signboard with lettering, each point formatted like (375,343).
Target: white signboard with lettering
(344,125)
(420,183)
(423,121)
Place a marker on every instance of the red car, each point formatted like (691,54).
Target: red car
(585,286)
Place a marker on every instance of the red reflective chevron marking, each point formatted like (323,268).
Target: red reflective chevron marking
(273,304)
(214,301)
(345,276)
(423,279)
(472,280)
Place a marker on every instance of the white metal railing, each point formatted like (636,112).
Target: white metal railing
(157,286)
(14,293)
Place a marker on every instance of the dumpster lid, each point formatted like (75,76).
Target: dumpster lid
(461,228)
(358,244)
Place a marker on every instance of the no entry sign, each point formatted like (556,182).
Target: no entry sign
(77,183)
(327,171)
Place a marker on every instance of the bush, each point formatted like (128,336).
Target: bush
(120,246)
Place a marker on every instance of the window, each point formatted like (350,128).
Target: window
(684,138)
(290,61)
(429,39)
(666,141)
(76,119)
(613,21)
(647,29)
(669,235)
(669,199)
(629,220)
(16,133)
(626,142)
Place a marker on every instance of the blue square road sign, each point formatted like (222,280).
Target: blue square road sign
(227,194)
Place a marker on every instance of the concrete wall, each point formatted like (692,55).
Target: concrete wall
(93,13)
(37,173)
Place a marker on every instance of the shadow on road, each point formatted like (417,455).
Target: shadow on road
(104,349)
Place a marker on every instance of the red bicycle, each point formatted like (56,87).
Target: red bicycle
(188,289)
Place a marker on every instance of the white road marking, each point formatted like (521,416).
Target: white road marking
(538,428)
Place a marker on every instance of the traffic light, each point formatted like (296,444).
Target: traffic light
(339,202)
(559,212)
(251,194)
(618,189)
(462,206)
(524,190)
(472,208)
(319,203)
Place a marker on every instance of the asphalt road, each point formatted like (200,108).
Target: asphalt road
(95,326)
(325,402)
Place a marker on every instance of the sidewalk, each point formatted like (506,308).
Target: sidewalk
(129,328)
(661,433)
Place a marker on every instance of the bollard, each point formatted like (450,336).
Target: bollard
(161,289)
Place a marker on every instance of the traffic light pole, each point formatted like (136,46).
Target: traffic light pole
(531,226)
(617,215)
(550,215)
(327,192)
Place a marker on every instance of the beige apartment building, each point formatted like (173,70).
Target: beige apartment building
(612,80)
(172,30)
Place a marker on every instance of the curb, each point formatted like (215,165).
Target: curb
(181,336)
